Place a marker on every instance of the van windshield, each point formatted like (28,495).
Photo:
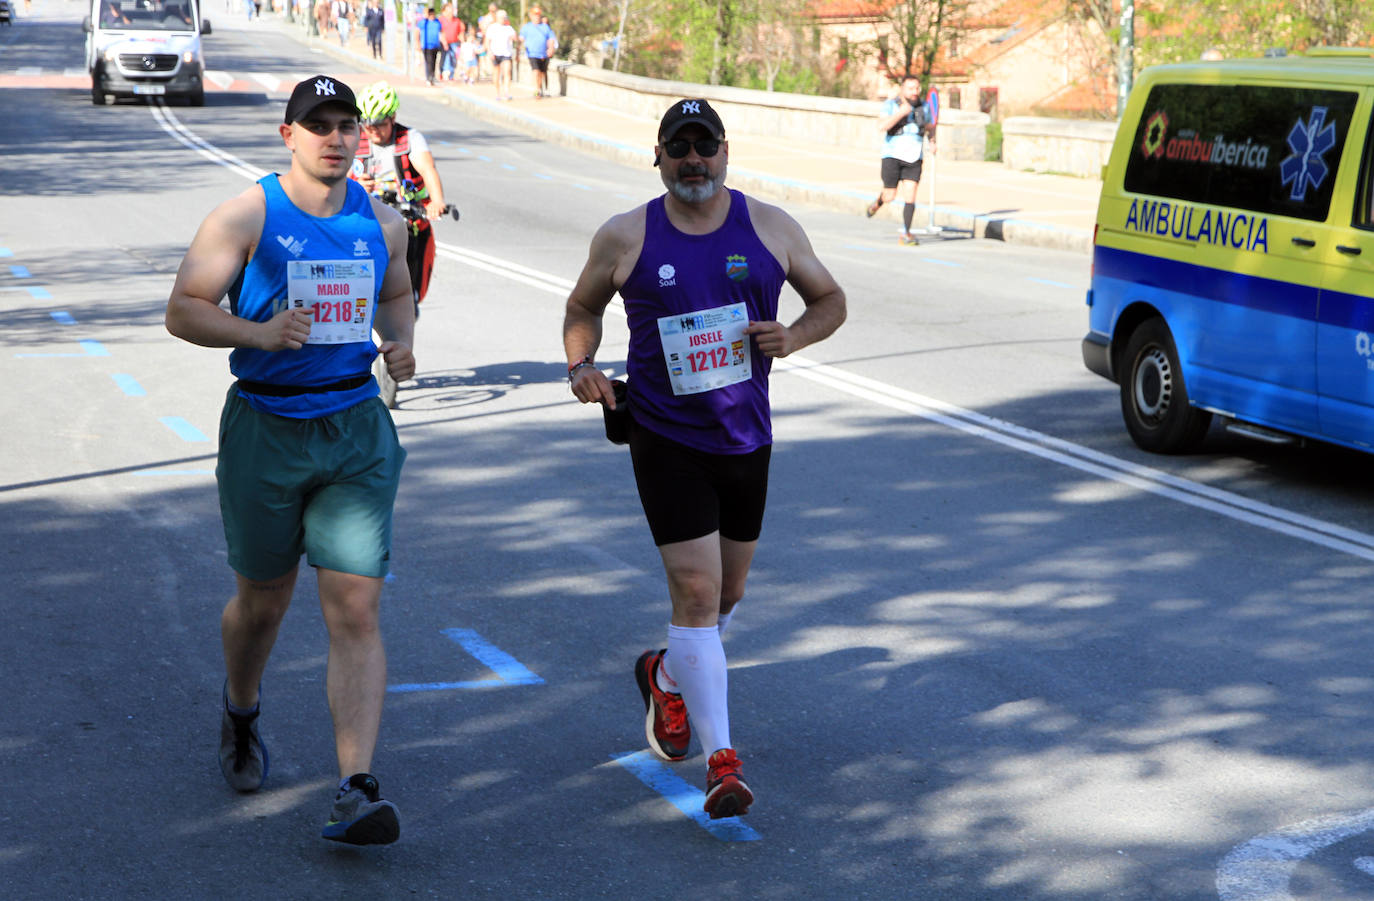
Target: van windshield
(147,15)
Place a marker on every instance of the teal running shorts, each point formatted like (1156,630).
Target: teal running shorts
(323,487)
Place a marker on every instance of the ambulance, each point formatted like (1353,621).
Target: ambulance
(1233,253)
(145,48)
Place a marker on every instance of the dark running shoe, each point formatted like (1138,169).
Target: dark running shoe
(726,793)
(242,755)
(873,208)
(665,715)
(360,816)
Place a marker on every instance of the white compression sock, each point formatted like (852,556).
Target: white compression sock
(699,669)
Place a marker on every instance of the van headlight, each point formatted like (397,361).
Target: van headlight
(188,57)
(110,55)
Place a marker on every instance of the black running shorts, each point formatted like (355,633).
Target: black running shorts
(689,493)
(894,171)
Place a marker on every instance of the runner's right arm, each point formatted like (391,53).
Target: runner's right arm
(613,253)
(221,248)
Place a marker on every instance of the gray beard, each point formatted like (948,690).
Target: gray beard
(696,193)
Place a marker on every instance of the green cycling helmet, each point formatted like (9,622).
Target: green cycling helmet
(378,101)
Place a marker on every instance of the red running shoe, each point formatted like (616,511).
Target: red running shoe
(726,793)
(665,715)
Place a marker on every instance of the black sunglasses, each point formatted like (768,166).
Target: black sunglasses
(677,149)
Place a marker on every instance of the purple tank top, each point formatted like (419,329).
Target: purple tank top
(685,293)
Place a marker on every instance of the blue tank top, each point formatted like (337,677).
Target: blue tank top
(327,261)
(685,293)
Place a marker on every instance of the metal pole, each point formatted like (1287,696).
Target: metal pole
(1125,56)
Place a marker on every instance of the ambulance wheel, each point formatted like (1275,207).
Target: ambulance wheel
(196,97)
(98,96)
(1154,400)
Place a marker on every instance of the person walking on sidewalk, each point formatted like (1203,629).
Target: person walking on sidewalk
(537,38)
(500,42)
(450,34)
(309,459)
(905,123)
(374,20)
(431,42)
(700,270)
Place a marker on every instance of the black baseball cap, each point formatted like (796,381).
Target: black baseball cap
(689,112)
(318,90)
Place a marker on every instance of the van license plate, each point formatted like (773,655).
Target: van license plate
(150,89)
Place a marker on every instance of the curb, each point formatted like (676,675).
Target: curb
(1010,231)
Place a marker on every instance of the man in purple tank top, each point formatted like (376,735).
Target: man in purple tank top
(700,270)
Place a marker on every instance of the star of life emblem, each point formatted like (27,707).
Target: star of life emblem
(1309,142)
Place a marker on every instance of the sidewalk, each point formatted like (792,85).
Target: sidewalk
(978,199)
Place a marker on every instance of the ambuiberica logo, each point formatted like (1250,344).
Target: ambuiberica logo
(1191,145)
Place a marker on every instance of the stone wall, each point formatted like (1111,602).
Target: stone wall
(823,120)
(1062,146)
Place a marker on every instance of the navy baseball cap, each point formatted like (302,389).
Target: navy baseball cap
(317,91)
(690,112)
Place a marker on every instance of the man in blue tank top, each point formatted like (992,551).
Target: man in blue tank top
(309,459)
(700,270)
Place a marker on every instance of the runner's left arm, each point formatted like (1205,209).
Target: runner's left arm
(395,319)
(424,164)
(824,298)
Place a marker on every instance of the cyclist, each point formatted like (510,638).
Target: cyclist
(393,157)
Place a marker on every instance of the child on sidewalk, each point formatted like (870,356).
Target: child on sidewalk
(467,58)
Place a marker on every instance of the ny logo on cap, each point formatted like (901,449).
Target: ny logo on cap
(691,106)
(323,86)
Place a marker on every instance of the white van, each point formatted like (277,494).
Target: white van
(145,48)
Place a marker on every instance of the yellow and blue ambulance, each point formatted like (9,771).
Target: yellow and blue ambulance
(1233,254)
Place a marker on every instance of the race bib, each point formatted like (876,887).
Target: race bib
(339,295)
(707,349)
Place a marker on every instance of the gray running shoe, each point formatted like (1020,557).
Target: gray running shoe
(242,755)
(360,815)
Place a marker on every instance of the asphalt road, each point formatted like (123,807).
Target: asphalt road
(990,649)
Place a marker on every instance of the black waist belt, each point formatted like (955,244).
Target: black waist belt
(267,389)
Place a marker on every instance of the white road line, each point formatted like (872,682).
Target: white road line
(220,79)
(1038,444)
(271,82)
(1262,868)
(184,135)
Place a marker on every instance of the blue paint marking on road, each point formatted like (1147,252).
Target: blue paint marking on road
(655,773)
(543,176)
(20,272)
(88,349)
(507,669)
(582,187)
(128,384)
(62,317)
(860,247)
(38,293)
(1051,282)
(464,150)
(175,472)
(623,197)
(943,263)
(406,687)
(184,430)
(484,158)
(508,166)
(6,252)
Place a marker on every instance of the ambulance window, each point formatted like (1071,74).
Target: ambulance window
(1268,149)
(1364,198)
